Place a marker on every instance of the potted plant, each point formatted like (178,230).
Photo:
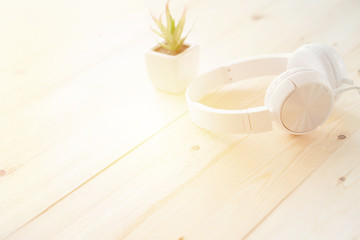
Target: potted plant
(172,63)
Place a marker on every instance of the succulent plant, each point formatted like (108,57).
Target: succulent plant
(170,32)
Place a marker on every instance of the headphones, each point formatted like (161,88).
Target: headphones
(299,100)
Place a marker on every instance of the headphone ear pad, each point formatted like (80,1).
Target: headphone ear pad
(321,58)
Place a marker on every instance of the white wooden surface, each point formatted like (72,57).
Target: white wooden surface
(89,150)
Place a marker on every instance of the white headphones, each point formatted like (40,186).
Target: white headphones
(299,100)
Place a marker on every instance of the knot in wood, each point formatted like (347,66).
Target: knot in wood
(341,136)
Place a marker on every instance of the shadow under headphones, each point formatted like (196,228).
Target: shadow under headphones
(299,100)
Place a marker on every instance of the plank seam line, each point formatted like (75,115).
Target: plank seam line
(176,191)
(97,174)
(284,199)
(70,77)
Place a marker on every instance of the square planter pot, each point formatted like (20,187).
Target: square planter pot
(172,73)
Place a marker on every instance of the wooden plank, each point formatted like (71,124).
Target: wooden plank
(90,106)
(44,130)
(296,165)
(30,79)
(31,29)
(325,206)
(98,124)
(146,191)
(197,185)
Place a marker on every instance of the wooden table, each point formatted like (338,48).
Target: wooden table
(89,150)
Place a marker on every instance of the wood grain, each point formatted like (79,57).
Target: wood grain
(89,150)
(327,200)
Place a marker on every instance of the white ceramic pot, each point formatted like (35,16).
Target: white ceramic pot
(172,73)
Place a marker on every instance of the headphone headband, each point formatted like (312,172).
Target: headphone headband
(257,119)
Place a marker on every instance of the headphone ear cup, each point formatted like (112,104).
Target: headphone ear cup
(321,58)
(299,100)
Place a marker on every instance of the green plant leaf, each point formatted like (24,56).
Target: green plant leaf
(160,25)
(180,43)
(169,18)
(172,26)
(170,31)
(179,28)
(159,34)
